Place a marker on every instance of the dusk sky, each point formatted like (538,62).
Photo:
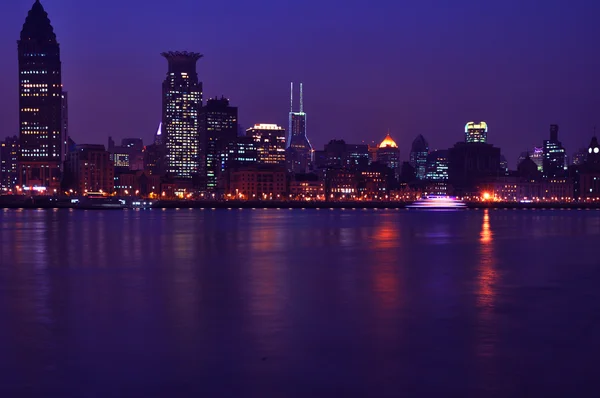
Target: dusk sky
(415,67)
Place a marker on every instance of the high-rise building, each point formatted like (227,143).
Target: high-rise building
(388,153)
(9,156)
(554,164)
(242,153)
(182,100)
(418,156)
(579,157)
(40,103)
(299,151)
(476,132)
(270,143)
(218,131)
(536,155)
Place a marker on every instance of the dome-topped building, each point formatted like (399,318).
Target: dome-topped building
(388,142)
(388,153)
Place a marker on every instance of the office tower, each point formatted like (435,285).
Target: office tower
(40,103)
(89,169)
(158,137)
(437,166)
(299,151)
(65,127)
(476,132)
(536,155)
(388,153)
(182,100)
(218,131)
(9,156)
(242,153)
(554,165)
(418,156)
(270,143)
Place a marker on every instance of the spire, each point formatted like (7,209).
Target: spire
(37,25)
(292,97)
(301,100)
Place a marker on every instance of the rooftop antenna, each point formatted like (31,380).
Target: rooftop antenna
(292,97)
(301,100)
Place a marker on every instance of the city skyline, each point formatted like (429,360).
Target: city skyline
(527,80)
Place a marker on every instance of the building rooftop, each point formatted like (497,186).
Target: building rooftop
(388,142)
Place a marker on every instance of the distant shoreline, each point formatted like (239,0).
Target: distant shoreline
(310,205)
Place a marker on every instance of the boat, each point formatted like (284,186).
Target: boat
(93,201)
(438,203)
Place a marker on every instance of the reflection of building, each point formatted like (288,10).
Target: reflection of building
(9,155)
(182,100)
(218,131)
(388,154)
(270,143)
(476,132)
(88,168)
(299,151)
(554,156)
(40,102)
(418,156)
(266,181)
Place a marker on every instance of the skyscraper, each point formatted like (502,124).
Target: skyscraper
(270,143)
(388,153)
(40,102)
(299,151)
(218,132)
(418,156)
(476,132)
(554,156)
(182,100)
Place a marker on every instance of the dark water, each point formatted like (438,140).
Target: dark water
(292,303)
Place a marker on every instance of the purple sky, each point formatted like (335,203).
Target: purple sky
(418,66)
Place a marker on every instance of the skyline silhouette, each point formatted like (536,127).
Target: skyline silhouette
(424,68)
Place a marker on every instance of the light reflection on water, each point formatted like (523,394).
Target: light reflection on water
(298,303)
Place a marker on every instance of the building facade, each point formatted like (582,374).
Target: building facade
(554,161)
(388,154)
(476,132)
(269,140)
(89,169)
(40,103)
(258,182)
(418,156)
(299,151)
(218,132)
(9,156)
(182,100)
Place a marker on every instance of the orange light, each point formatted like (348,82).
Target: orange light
(486,196)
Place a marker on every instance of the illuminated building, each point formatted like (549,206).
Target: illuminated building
(89,169)
(129,156)
(299,151)
(9,156)
(340,183)
(536,155)
(243,152)
(579,157)
(182,100)
(258,182)
(554,165)
(154,157)
(65,127)
(218,131)
(418,156)
(372,184)
(589,172)
(270,143)
(307,186)
(437,166)
(476,132)
(388,154)
(138,183)
(40,103)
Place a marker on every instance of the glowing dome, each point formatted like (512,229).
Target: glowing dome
(388,141)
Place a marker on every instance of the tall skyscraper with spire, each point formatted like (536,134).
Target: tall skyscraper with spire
(182,100)
(41,111)
(299,150)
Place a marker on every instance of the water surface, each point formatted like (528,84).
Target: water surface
(299,303)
